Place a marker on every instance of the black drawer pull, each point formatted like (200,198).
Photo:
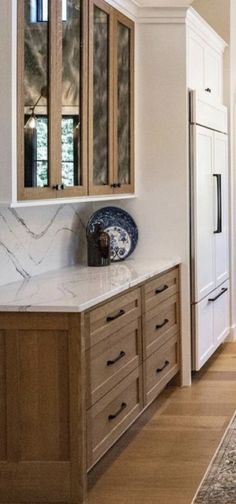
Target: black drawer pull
(162,289)
(208,90)
(123,406)
(223,290)
(159,326)
(158,370)
(113,317)
(111,362)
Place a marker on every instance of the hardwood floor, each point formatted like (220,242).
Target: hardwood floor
(163,457)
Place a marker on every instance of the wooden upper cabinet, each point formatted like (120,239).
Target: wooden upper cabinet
(111,98)
(75,99)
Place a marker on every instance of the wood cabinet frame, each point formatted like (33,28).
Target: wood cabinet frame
(120,18)
(54,111)
(115,17)
(101,189)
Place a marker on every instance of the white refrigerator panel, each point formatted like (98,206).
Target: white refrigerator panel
(211,324)
(203,212)
(221,315)
(221,199)
(204,338)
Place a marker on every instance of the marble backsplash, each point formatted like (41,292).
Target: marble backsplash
(39,239)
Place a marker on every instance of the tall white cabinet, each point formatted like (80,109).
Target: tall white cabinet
(209,226)
(204,57)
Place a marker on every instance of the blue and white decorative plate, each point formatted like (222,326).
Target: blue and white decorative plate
(121,228)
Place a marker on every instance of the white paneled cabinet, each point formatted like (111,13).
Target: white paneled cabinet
(210,324)
(204,268)
(210,218)
(209,226)
(221,239)
(204,57)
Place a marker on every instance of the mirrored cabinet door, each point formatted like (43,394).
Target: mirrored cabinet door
(51,70)
(33,99)
(100,98)
(123,104)
(73,172)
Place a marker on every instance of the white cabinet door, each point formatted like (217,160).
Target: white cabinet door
(204,66)
(204,338)
(195,61)
(203,222)
(211,324)
(213,73)
(221,313)
(220,176)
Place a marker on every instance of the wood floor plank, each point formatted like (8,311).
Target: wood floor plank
(165,454)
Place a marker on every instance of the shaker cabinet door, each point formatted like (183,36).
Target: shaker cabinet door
(221,204)
(205,66)
(203,222)
(213,72)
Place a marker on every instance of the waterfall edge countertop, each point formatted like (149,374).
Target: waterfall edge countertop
(77,288)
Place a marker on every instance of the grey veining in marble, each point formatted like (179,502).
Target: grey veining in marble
(35,240)
(78,288)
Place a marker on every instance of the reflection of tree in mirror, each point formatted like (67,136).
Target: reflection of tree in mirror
(67,141)
(42,151)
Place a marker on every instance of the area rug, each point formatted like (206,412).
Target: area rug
(219,484)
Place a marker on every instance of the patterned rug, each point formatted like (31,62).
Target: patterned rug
(219,484)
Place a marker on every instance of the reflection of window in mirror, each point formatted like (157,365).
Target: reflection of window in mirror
(39,11)
(36,152)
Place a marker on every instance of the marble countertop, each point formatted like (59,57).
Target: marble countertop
(78,288)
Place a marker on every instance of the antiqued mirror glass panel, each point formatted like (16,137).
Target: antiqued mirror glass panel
(100,97)
(71,93)
(123,100)
(36,33)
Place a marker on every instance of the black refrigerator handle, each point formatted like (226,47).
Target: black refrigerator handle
(219,203)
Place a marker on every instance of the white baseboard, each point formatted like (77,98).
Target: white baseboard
(232,335)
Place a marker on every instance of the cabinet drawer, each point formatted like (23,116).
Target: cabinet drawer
(112,316)
(161,323)
(161,366)
(158,290)
(112,415)
(112,359)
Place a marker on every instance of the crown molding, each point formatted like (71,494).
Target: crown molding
(151,14)
(162,15)
(207,33)
(129,8)
(169,12)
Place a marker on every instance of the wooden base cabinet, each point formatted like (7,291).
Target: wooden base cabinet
(71,384)
(42,390)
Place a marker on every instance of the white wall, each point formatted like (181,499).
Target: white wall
(162,208)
